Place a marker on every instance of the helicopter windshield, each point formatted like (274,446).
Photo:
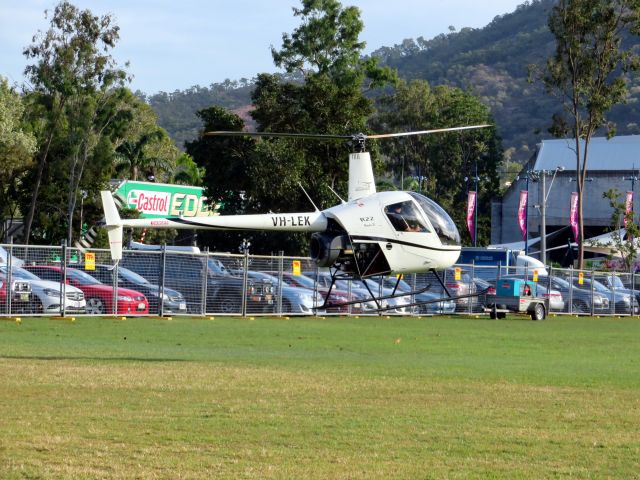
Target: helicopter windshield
(405,217)
(440,220)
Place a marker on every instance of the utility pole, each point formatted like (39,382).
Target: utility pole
(475,210)
(543,214)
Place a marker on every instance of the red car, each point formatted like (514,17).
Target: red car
(98,295)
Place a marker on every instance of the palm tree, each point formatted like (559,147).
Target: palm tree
(132,159)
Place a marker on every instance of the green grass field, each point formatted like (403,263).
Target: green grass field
(320,398)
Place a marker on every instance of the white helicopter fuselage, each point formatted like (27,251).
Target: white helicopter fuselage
(406,251)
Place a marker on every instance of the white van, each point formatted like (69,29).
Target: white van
(526,264)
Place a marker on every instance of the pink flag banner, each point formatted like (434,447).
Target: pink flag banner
(471,210)
(628,207)
(522,213)
(573,215)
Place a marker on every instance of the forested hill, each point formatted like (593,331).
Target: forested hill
(491,61)
(177,111)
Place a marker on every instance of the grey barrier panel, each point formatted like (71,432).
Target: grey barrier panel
(206,283)
(140,273)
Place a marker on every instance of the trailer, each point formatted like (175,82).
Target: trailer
(514,295)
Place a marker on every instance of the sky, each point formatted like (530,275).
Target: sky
(175,44)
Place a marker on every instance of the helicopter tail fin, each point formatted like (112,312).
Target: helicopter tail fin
(113,225)
(361,181)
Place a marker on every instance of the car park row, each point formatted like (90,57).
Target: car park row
(58,281)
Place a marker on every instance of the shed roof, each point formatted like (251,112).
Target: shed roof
(617,153)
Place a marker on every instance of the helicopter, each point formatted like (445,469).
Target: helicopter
(370,234)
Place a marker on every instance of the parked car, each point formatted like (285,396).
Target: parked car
(186,274)
(430,306)
(337,297)
(99,297)
(619,302)
(46,294)
(465,287)
(615,283)
(20,295)
(294,299)
(172,300)
(357,289)
(396,304)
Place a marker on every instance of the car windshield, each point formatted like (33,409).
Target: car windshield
(598,287)
(132,276)
(266,276)
(216,267)
(20,273)
(615,281)
(82,278)
(390,282)
(304,281)
(561,283)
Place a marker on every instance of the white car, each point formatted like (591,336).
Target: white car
(46,294)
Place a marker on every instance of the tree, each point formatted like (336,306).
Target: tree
(442,166)
(17,146)
(625,247)
(132,158)
(326,54)
(72,81)
(187,171)
(587,74)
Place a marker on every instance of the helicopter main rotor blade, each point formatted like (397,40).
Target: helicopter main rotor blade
(358,138)
(425,132)
(277,135)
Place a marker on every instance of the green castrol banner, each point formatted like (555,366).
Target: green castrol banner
(161,200)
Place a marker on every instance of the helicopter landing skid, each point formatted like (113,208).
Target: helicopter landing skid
(378,300)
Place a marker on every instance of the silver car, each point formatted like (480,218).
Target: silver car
(46,293)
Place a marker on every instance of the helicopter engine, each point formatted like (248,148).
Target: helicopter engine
(328,248)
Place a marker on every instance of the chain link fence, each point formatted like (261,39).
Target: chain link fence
(45,280)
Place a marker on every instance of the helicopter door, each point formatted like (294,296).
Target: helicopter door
(408,223)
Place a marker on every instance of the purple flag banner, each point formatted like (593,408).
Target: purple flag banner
(522,213)
(573,215)
(628,204)
(471,210)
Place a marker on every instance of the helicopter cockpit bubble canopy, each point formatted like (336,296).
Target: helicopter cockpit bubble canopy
(440,220)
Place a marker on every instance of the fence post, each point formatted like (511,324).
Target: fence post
(9,275)
(279,288)
(63,286)
(205,273)
(549,286)
(633,286)
(592,294)
(473,275)
(245,277)
(570,309)
(163,264)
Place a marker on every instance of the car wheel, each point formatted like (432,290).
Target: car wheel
(229,305)
(95,306)
(286,306)
(578,306)
(539,312)
(35,306)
